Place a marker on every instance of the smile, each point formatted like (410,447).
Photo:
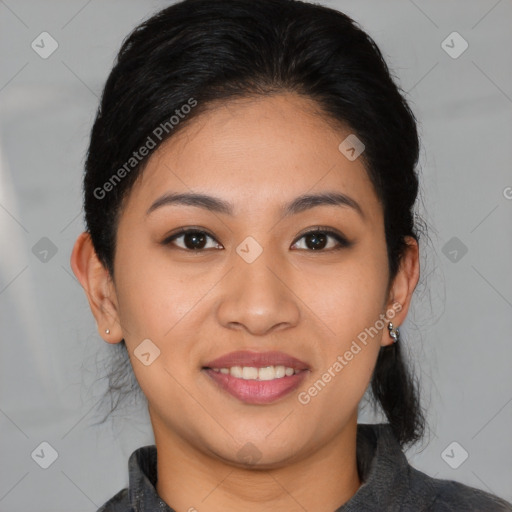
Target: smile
(256,377)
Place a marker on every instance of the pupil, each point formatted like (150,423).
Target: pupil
(318,240)
(193,238)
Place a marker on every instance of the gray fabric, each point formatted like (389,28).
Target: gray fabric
(390,483)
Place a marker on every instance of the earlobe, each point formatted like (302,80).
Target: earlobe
(99,288)
(403,286)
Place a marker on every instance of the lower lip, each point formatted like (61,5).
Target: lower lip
(254,391)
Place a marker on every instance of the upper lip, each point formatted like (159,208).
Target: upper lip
(257,360)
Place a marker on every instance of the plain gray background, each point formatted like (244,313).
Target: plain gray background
(458,333)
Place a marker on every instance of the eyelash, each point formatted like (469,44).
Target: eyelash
(342,241)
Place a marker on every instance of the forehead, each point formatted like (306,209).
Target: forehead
(257,153)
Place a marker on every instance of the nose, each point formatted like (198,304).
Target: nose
(259,296)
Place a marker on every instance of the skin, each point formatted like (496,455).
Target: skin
(196,306)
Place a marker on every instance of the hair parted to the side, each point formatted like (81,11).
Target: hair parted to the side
(214,51)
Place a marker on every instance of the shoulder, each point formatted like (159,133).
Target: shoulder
(118,503)
(450,496)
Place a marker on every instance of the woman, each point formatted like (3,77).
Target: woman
(251,243)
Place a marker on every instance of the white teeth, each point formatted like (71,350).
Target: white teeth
(270,373)
(281,371)
(248,372)
(252,373)
(236,371)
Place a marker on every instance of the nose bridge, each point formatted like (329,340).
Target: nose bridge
(255,294)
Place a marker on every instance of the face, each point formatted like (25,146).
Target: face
(253,275)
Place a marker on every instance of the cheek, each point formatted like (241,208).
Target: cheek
(349,347)
(349,297)
(354,305)
(157,303)
(349,301)
(152,295)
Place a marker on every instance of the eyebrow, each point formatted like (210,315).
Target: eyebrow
(297,205)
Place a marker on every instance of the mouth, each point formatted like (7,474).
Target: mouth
(256,378)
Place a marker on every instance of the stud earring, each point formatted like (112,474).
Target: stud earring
(394,332)
(107,331)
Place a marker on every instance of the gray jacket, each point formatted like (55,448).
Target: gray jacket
(390,483)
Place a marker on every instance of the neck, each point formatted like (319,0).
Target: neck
(190,480)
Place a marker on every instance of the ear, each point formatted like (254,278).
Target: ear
(99,288)
(402,287)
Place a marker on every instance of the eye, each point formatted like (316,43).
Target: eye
(317,239)
(193,239)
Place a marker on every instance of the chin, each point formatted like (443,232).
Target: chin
(257,454)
